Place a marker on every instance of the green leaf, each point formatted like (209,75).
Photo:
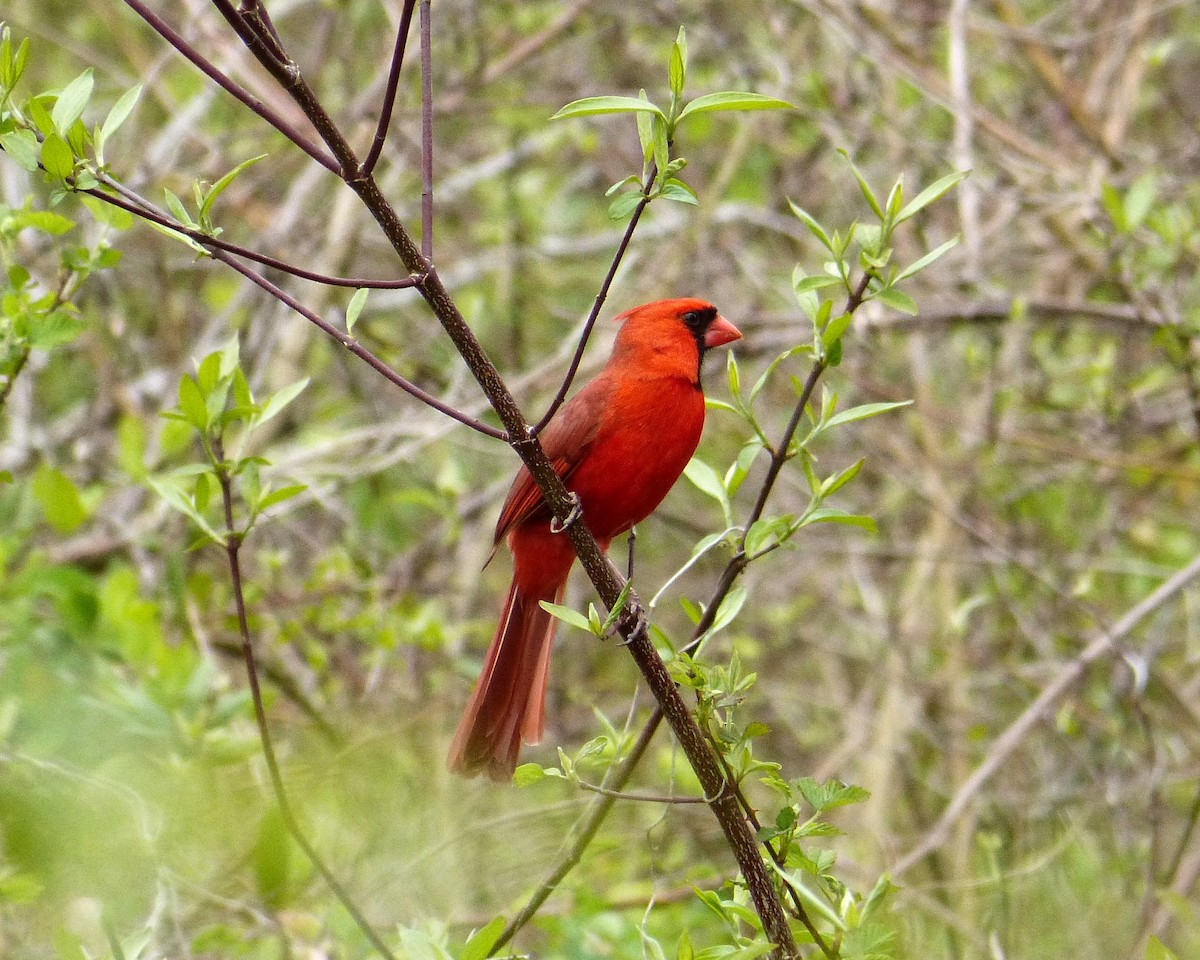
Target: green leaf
(835,329)
(281,399)
(833,515)
(272,858)
(479,945)
(278,496)
(568,616)
(178,210)
(863,411)
(830,794)
(20,888)
(191,403)
(705,479)
(592,106)
(526,775)
(219,187)
(836,482)
(677,190)
(730,607)
(865,187)
(918,265)
(733,100)
(677,71)
(57,157)
(931,193)
(629,180)
(58,497)
(23,147)
(624,205)
(357,302)
(46,221)
(208,373)
(802,283)
(70,103)
(54,329)
(897,300)
(814,228)
(120,112)
(1139,199)
(1157,950)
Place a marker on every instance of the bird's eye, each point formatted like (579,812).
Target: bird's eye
(693,319)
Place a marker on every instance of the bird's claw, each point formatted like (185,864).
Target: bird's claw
(634,617)
(575,514)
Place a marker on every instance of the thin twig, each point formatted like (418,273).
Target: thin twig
(389,93)
(233,542)
(639,797)
(140,207)
(586,333)
(360,351)
(230,86)
(426,135)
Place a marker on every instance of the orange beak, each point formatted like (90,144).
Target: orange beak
(721,331)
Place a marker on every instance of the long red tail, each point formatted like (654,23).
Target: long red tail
(508,704)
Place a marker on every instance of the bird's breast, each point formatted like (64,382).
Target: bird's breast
(648,433)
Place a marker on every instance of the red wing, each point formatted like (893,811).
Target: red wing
(566,441)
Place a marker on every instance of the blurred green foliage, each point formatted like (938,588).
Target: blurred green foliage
(1042,483)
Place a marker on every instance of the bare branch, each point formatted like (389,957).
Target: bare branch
(389,94)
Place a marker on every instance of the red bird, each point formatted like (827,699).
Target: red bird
(619,445)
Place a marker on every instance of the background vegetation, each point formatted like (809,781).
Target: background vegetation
(1031,750)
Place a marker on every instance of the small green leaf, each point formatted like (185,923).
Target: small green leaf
(931,193)
(70,103)
(56,156)
(705,479)
(814,228)
(54,329)
(677,71)
(178,210)
(191,403)
(120,112)
(23,147)
(219,187)
(281,399)
(835,329)
(864,411)
(357,302)
(58,498)
(802,283)
(733,100)
(677,190)
(833,515)
(897,300)
(624,205)
(278,496)
(479,946)
(918,265)
(730,607)
(592,106)
(568,616)
(1139,199)
(837,481)
(1157,950)
(865,187)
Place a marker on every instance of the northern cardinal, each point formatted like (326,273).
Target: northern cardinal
(619,445)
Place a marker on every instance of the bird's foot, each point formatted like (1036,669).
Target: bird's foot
(575,514)
(632,624)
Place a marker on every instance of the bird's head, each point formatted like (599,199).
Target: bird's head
(673,332)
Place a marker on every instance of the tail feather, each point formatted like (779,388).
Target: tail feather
(508,703)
